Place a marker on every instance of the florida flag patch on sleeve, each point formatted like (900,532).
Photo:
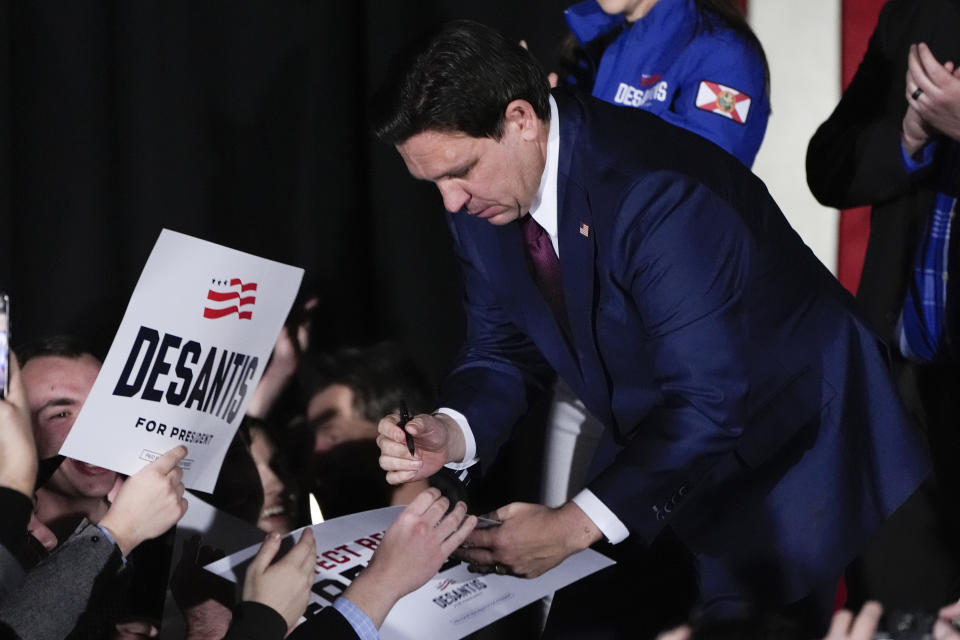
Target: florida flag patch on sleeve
(724,101)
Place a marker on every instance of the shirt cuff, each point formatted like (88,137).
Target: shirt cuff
(109,536)
(609,524)
(360,621)
(469,442)
(912,164)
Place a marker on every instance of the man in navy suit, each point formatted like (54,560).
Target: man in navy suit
(749,410)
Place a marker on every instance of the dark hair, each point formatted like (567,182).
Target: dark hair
(354,464)
(61,346)
(459,78)
(732,17)
(380,376)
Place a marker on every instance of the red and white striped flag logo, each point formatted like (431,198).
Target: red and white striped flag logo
(724,101)
(226,297)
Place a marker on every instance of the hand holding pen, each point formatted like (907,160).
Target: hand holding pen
(416,447)
(404,419)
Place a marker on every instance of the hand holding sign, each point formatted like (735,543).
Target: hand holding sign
(285,585)
(18,456)
(149,502)
(413,549)
(183,365)
(531,540)
(374,569)
(293,341)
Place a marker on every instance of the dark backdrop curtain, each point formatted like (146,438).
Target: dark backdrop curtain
(238,121)
(241,122)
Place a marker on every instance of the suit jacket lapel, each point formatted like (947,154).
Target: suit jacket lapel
(517,287)
(577,238)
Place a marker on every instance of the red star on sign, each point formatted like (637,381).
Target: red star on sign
(724,101)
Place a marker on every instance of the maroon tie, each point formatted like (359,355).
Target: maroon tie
(545,267)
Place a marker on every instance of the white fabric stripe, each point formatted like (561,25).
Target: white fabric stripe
(802,43)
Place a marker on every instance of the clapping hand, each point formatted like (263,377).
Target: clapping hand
(933,91)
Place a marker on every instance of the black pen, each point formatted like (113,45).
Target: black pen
(404,419)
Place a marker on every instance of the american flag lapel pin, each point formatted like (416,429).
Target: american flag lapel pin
(584,229)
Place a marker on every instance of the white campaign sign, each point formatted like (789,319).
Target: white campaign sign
(190,350)
(452,604)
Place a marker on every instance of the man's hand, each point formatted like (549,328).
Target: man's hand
(944,629)
(683,632)
(204,598)
(208,620)
(864,627)
(413,549)
(283,364)
(915,131)
(437,440)
(149,502)
(939,102)
(133,629)
(285,585)
(532,539)
(18,450)
(42,533)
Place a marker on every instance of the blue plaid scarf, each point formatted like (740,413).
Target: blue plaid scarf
(920,330)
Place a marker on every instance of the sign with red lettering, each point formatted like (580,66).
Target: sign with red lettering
(191,347)
(453,604)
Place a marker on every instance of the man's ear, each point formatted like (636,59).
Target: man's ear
(520,115)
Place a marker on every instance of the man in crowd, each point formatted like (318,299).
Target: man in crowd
(743,397)
(50,600)
(65,592)
(347,393)
(57,375)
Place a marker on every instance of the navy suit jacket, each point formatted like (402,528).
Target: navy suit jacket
(754,409)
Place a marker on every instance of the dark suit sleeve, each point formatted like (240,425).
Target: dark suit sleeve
(327,624)
(255,621)
(499,369)
(854,158)
(16,508)
(55,593)
(695,306)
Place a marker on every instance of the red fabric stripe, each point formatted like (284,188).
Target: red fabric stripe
(246,315)
(219,313)
(247,300)
(859,17)
(840,599)
(858,20)
(218,296)
(250,286)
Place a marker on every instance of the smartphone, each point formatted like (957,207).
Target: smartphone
(4,344)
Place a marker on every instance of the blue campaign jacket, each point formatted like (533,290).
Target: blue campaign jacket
(755,411)
(673,59)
